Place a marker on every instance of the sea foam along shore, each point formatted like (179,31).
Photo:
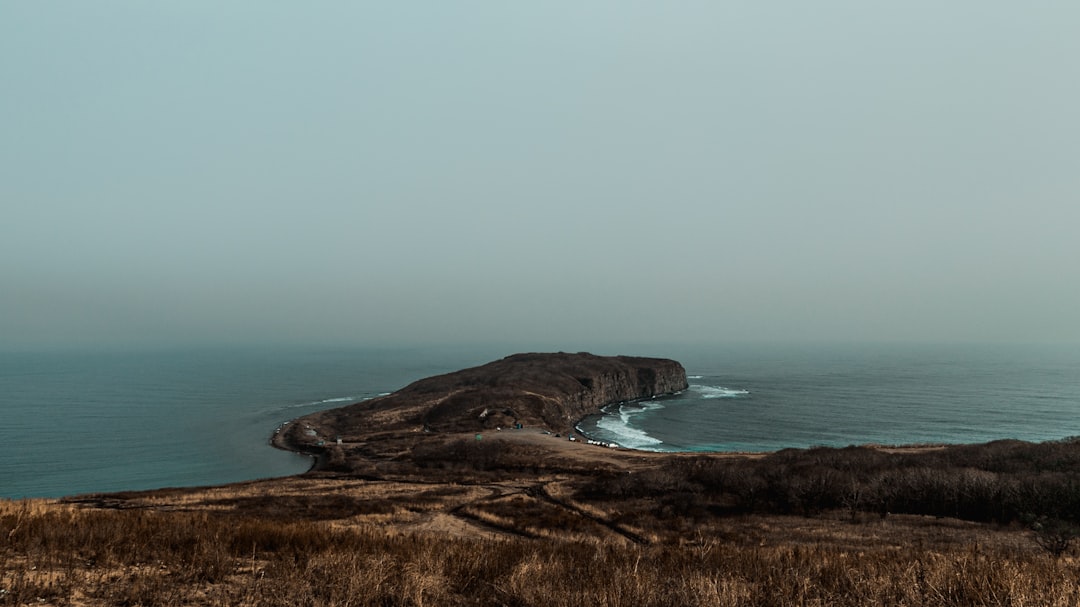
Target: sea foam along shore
(618,421)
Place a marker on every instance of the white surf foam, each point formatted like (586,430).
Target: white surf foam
(340,399)
(319,403)
(718,391)
(328,401)
(623,433)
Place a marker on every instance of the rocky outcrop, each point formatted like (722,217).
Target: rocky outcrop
(552,391)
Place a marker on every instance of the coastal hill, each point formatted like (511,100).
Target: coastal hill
(551,391)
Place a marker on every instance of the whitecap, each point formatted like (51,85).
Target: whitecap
(694,376)
(718,391)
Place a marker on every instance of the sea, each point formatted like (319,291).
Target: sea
(76,422)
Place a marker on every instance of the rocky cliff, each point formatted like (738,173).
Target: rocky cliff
(552,391)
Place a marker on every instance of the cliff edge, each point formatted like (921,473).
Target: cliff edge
(548,390)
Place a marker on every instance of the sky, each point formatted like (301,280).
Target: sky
(556,173)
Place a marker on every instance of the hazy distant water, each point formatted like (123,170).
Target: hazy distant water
(88,422)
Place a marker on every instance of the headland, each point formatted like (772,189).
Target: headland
(545,392)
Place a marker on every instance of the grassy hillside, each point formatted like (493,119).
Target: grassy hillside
(518,523)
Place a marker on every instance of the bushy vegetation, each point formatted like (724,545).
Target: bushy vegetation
(1000,482)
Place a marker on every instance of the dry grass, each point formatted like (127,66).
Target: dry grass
(498,525)
(59,555)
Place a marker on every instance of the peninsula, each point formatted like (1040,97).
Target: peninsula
(546,391)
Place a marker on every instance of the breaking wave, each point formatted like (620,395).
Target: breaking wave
(620,429)
(717,391)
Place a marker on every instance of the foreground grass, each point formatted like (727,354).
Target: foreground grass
(497,523)
(55,554)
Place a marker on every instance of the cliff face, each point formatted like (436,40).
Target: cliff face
(552,391)
(621,379)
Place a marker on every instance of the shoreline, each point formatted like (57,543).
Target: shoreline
(584,450)
(561,443)
(278,441)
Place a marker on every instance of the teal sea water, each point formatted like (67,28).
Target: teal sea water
(79,422)
(766,398)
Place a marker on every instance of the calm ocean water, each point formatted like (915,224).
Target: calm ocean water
(764,398)
(87,422)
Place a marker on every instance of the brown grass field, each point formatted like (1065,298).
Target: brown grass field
(526,519)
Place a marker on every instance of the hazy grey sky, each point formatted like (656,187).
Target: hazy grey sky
(558,173)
